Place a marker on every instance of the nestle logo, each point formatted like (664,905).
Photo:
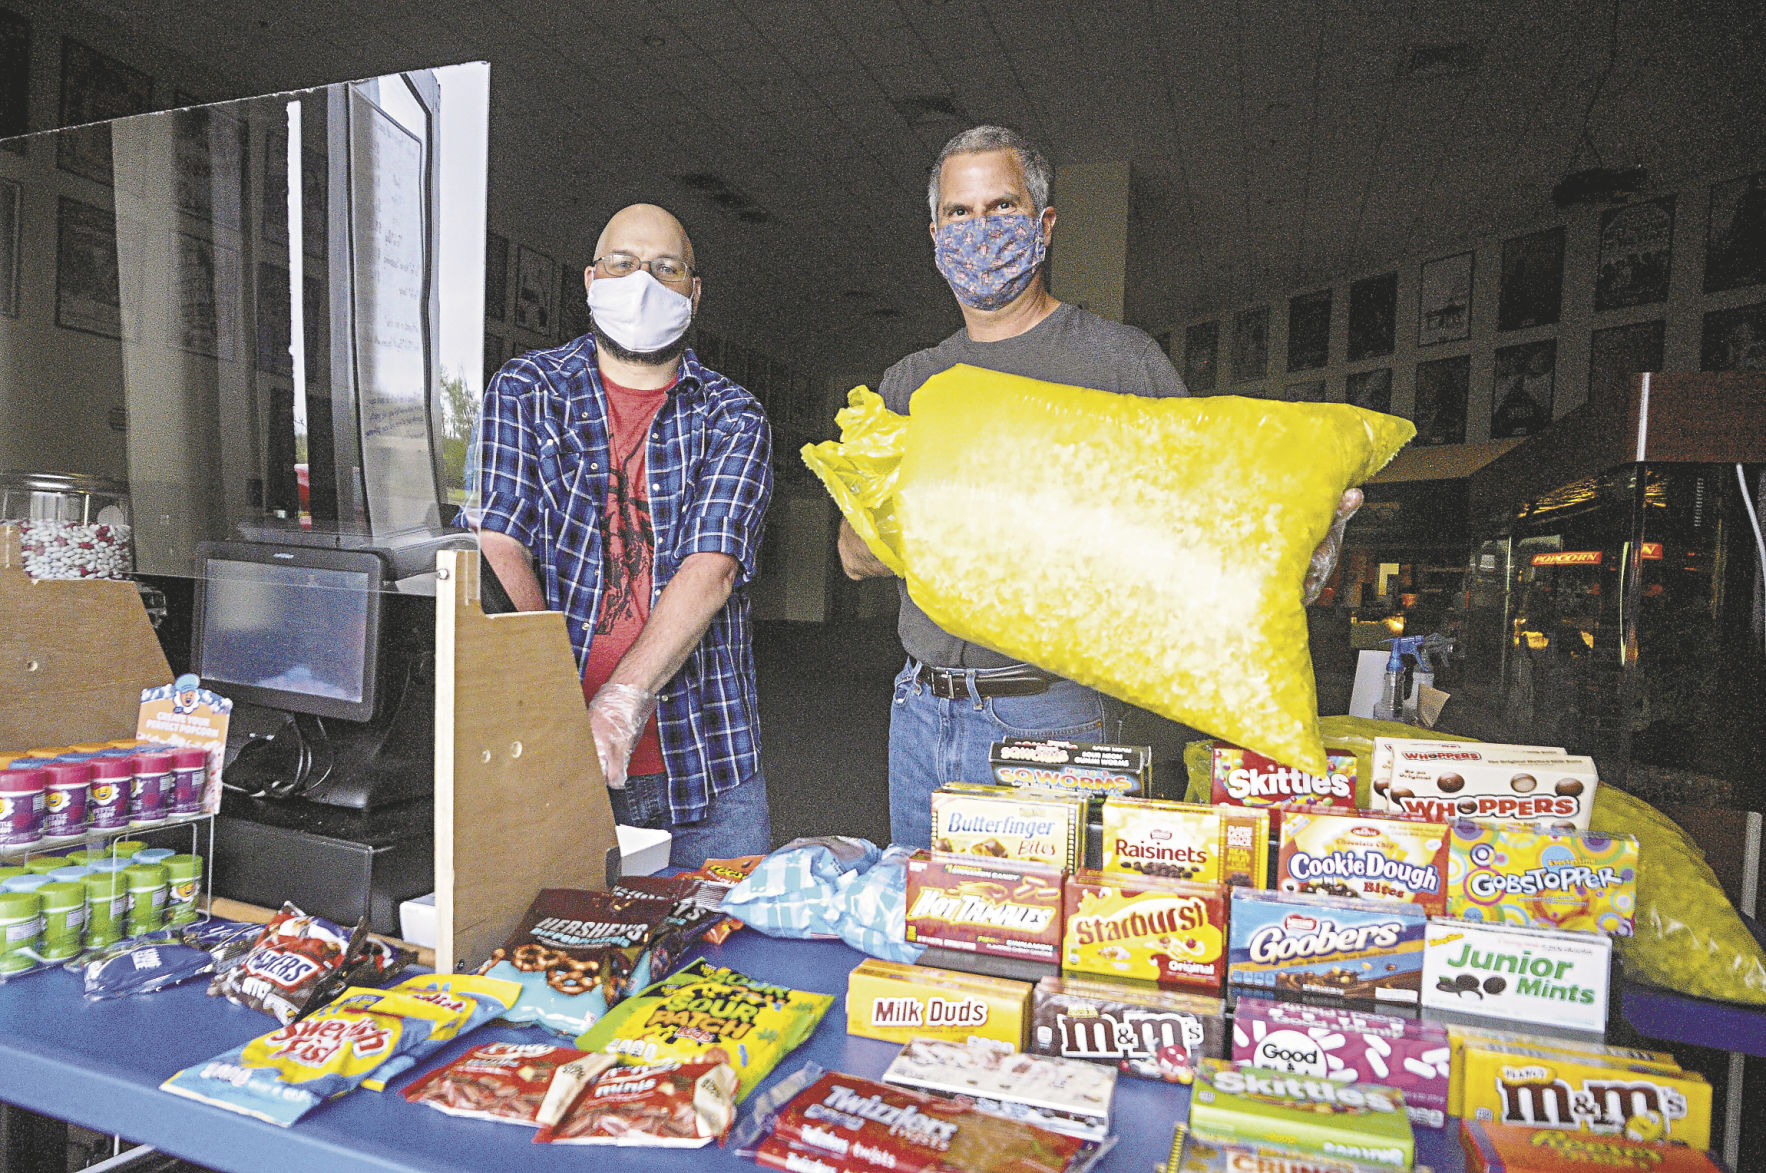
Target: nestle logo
(1295,923)
(1157,835)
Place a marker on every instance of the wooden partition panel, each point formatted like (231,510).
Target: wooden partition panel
(520,802)
(74,656)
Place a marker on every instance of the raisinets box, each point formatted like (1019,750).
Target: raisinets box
(1524,975)
(1443,781)
(1092,769)
(895,1002)
(1365,1123)
(1294,945)
(1164,931)
(1002,908)
(1141,1029)
(1541,878)
(1186,841)
(1349,1046)
(1361,855)
(997,822)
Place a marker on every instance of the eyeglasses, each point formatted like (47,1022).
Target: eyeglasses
(668,269)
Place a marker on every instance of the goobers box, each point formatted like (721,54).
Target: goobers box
(1443,781)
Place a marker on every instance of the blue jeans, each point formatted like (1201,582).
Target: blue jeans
(933,741)
(738,822)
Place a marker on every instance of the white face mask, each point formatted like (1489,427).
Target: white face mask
(639,312)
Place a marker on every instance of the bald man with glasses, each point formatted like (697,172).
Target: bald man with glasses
(623,483)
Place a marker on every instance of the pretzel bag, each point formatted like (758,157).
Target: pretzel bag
(1154,549)
(576,954)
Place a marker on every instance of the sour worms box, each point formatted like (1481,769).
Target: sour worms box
(1001,908)
(1186,841)
(1164,931)
(1357,854)
(1518,974)
(1294,945)
(1542,878)
(1089,769)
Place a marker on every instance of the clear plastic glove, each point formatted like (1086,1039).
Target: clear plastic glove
(1324,559)
(618,714)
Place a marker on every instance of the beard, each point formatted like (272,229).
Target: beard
(647,358)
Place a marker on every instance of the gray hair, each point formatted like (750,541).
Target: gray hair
(1037,172)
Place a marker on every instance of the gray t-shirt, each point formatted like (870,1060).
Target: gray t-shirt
(1069,346)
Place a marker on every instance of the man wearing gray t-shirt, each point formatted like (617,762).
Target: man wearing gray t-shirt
(991,224)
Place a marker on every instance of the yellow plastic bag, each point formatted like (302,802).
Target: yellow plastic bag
(1153,549)
(1688,937)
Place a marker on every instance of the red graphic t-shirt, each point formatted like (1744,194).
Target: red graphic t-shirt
(628,552)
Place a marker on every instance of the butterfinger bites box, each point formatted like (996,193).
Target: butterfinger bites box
(1508,1148)
(1539,878)
(1364,1123)
(1363,855)
(1138,1028)
(1462,1037)
(1291,945)
(1002,908)
(1538,1089)
(1001,823)
(1243,777)
(1186,841)
(1164,931)
(894,1002)
(1093,770)
(1487,783)
(1349,1046)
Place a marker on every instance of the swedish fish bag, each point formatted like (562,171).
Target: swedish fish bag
(1153,549)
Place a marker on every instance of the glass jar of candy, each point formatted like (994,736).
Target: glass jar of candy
(69,526)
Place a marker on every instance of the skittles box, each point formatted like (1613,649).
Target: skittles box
(1363,856)
(1243,777)
(1040,826)
(1361,1122)
(1077,767)
(1290,946)
(1540,878)
(1003,908)
(1164,931)
(1509,1148)
(1186,841)
(1536,1088)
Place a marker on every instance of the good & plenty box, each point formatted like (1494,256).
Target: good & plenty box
(1058,1094)
(1164,931)
(1541,1089)
(1091,769)
(1141,1029)
(1463,1036)
(895,1002)
(1038,826)
(1293,945)
(1540,878)
(1508,1148)
(1525,975)
(1186,841)
(1243,777)
(1002,908)
(1349,1046)
(1357,854)
(1365,1123)
(1442,781)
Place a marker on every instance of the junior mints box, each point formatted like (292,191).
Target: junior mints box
(1524,975)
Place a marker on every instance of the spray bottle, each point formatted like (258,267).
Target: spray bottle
(1435,647)
(1391,703)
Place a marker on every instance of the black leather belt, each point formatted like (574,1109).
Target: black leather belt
(953,683)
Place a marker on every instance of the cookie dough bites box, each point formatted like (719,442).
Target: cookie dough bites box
(1186,841)
(1361,855)
(1000,823)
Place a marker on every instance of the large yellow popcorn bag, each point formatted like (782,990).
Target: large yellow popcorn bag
(1153,549)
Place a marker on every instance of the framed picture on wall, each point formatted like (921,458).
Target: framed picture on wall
(1369,389)
(1532,292)
(1735,236)
(1201,349)
(202,310)
(1441,388)
(1636,254)
(15,77)
(1309,331)
(573,304)
(87,296)
(275,350)
(496,276)
(1734,340)
(536,291)
(1311,391)
(95,88)
(493,356)
(1617,354)
(1444,300)
(209,166)
(1520,400)
(1251,344)
(9,247)
(1373,316)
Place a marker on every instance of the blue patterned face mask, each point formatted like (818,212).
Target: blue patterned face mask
(990,260)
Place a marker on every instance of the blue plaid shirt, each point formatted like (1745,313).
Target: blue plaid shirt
(542,479)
